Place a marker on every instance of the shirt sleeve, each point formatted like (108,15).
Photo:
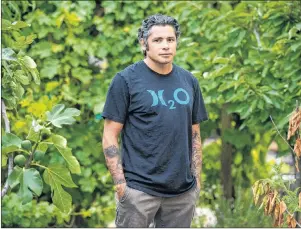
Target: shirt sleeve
(199,113)
(117,101)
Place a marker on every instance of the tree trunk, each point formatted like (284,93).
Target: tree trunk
(226,155)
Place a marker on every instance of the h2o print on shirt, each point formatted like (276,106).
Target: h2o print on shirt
(176,100)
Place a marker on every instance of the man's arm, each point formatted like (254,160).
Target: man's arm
(196,166)
(112,154)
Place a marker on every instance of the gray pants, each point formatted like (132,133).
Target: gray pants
(139,209)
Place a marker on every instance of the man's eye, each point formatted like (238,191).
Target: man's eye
(156,40)
(171,40)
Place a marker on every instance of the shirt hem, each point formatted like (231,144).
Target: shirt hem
(112,117)
(158,194)
(200,120)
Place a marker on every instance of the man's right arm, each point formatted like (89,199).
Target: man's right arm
(112,155)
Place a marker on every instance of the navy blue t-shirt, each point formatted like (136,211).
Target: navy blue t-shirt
(158,112)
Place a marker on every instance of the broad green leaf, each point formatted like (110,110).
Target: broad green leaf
(6,25)
(19,24)
(220,60)
(56,176)
(59,174)
(61,144)
(32,135)
(29,180)
(18,91)
(33,181)
(42,147)
(72,162)
(59,118)
(62,199)
(24,192)
(59,140)
(8,54)
(35,75)
(29,62)
(21,77)
(14,177)
(10,143)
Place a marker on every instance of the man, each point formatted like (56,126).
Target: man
(157,106)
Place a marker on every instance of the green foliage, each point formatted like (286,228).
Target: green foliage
(243,54)
(242,212)
(33,214)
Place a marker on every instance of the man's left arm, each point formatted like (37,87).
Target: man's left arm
(196,165)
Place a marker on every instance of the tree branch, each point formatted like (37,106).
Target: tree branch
(11,155)
(281,135)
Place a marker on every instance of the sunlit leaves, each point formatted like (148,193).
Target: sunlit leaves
(58,117)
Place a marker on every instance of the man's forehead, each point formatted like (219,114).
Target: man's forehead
(162,31)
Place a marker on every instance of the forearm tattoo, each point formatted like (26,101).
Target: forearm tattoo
(196,166)
(114,164)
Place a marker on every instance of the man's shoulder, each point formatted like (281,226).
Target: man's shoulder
(129,70)
(185,73)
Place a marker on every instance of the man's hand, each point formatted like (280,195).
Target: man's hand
(120,189)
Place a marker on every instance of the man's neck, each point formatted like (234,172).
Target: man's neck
(157,67)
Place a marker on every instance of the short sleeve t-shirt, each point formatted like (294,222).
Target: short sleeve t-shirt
(158,112)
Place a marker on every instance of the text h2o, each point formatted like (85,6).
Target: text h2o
(159,97)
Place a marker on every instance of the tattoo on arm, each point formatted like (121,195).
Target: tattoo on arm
(114,164)
(196,166)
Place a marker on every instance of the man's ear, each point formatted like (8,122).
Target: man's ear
(143,46)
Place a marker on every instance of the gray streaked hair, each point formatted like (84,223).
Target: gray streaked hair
(157,19)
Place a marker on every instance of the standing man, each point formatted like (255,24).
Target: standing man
(157,106)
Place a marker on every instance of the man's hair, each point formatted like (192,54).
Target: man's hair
(157,19)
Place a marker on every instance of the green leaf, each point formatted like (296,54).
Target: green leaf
(59,140)
(24,192)
(35,75)
(33,180)
(29,180)
(6,25)
(220,60)
(59,118)
(10,143)
(42,147)
(18,91)
(8,54)
(21,77)
(61,144)
(32,135)
(56,176)
(19,24)
(59,174)
(72,162)
(14,176)
(29,62)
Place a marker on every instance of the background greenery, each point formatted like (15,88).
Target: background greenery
(246,56)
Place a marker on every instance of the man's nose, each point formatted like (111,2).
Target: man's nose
(165,44)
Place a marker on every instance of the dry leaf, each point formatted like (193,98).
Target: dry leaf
(291,221)
(294,123)
(282,207)
(266,188)
(276,212)
(297,147)
(268,204)
(272,205)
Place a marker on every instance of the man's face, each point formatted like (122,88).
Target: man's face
(162,44)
